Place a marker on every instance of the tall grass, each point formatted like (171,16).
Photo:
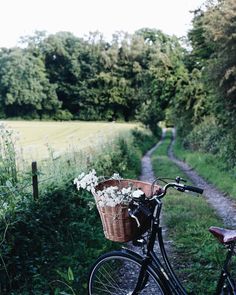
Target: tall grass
(8,169)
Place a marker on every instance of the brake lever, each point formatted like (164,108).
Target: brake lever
(131,214)
(178,179)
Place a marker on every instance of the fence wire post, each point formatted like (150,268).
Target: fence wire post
(35,180)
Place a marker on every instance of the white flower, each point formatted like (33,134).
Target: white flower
(138,193)
(116,176)
(99,193)
(109,196)
(83,185)
(81,175)
(126,190)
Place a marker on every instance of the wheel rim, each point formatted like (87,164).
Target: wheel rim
(118,275)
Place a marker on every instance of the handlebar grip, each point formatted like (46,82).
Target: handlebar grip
(193,189)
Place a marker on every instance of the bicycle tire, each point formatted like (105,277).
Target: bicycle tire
(227,287)
(227,291)
(117,273)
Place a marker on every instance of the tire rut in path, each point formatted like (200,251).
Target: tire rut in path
(225,207)
(147,173)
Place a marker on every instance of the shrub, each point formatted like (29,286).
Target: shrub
(209,137)
(63,115)
(227,147)
(47,237)
(205,136)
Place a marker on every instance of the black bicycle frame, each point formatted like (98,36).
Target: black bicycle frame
(225,281)
(165,271)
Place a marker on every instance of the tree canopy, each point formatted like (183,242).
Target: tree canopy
(140,76)
(91,79)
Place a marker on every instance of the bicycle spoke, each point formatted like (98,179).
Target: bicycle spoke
(108,284)
(109,280)
(118,275)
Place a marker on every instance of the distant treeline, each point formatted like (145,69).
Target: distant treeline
(147,76)
(65,77)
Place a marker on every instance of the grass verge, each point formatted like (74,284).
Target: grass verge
(210,167)
(198,255)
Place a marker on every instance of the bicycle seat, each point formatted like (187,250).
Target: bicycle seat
(224,236)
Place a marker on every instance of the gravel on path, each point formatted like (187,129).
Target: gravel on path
(147,173)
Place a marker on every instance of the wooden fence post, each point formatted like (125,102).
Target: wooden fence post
(35,180)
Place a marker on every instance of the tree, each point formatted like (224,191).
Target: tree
(24,87)
(220,22)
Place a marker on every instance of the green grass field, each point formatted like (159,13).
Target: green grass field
(37,139)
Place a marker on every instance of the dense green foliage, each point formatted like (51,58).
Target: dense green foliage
(25,89)
(65,77)
(47,245)
(204,109)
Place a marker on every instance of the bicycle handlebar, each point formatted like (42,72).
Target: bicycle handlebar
(146,211)
(193,189)
(180,187)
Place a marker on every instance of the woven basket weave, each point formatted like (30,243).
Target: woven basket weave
(118,226)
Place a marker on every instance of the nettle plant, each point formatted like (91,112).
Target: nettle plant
(109,196)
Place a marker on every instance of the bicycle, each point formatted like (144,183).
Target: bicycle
(126,272)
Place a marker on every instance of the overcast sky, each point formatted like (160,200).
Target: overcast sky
(23,17)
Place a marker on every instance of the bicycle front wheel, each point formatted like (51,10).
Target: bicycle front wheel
(117,273)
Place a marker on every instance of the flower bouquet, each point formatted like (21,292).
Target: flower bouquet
(113,197)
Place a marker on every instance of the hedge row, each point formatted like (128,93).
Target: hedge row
(47,246)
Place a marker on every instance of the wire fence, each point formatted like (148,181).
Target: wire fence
(33,180)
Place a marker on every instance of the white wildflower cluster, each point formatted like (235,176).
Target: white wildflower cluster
(87,181)
(116,176)
(109,196)
(112,196)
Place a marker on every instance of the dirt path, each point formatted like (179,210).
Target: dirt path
(147,173)
(225,208)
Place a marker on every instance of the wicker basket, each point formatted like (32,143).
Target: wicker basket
(118,226)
